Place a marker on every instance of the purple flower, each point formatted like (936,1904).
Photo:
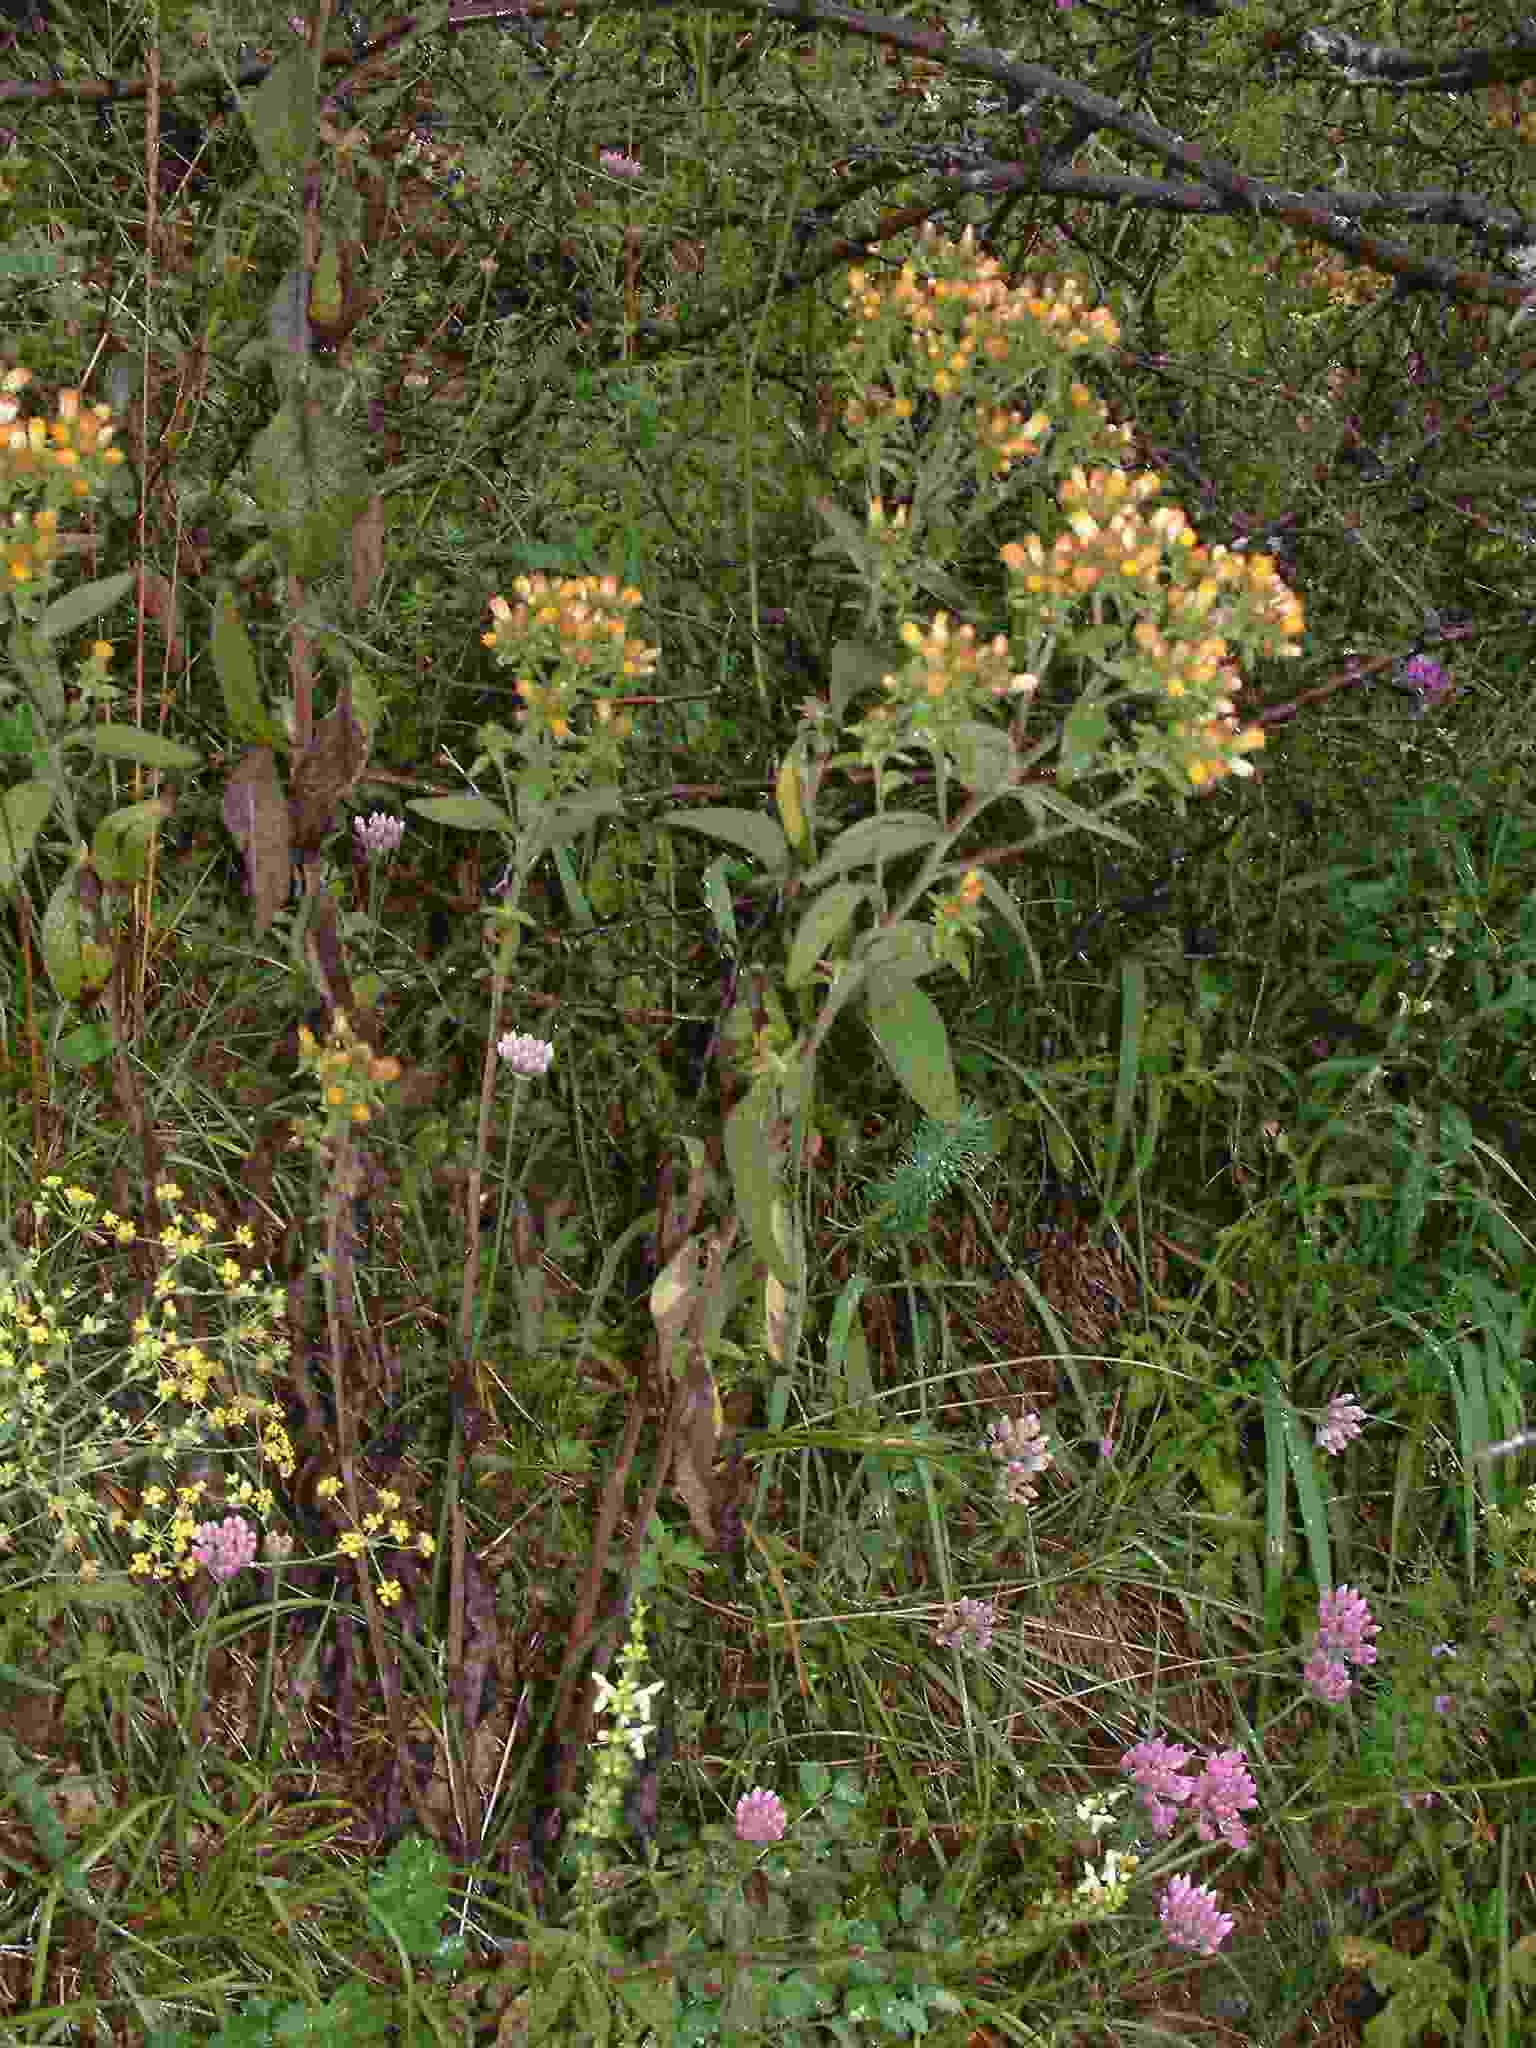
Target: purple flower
(1340,1424)
(618,165)
(1106,1447)
(525,1054)
(1155,1765)
(226,1547)
(1327,1678)
(378,834)
(1344,1630)
(760,1817)
(1443,1702)
(1192,1917)
(968,1625)
(1344,1626)
(1222,1790)
(1424,679)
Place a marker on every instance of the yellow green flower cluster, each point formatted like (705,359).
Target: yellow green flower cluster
(89,1393)
(577,631)
(381,1527)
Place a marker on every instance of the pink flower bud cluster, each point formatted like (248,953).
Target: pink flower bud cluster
(1214,1800)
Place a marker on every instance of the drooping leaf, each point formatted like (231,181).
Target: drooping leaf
(256,814)
(23,812)
(367,550)
(909,1030)
(762,837)
(324,772)
(149,749)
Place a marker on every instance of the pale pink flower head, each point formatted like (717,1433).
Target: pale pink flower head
(968,1625)
(1192,1917)
(618,165)
(378,834)
(760,1817)
(1156,1765)
(525,1054)
(1222,1791)
(224,1548)
(1340,1424)
(1345,1627)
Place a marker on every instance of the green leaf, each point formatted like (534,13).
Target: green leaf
(78,963)
(281,116)
(309,474)
(234,663)
(464,813)
(752,831)
(1083,734)
(756,1167)
(410,1894)
(887,837)
(1309,1494)
(820,929)
(985,757)
(1277,1511)
(121,842)
(86,1046)
(855,670)
(23,812)
(149,749)
(86,602)
(1133,1006)
(910,1032)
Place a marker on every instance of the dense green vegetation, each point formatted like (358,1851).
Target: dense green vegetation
(765,1113)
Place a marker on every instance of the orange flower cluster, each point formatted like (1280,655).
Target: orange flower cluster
(1113,545)
(951,319)
(76,436)
(579,621)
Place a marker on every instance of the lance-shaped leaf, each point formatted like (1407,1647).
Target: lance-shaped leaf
(325,772)
(149,749)
(910,1032)
(789,794)
(310,478)
(755,1155)
(856,670)
(256,814)
(74,941)
(281,116)
(23,811)
(121,842)
(750,830)
(85,602)
(464,813)
(821,928)
(887,837)
(234,663)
